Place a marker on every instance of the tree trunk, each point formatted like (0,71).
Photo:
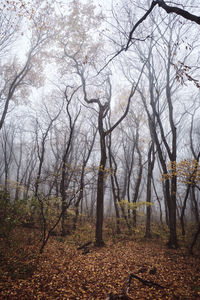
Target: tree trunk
(195,205)
(115,199)
(100,193)
(138,182)
(195,239)
(149,179)
(121,196)
(183,210)
(159,203)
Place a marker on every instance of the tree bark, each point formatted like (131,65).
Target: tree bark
(151,159)
(100,191)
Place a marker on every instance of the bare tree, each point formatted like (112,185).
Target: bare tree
(65,176)
(41,144)
(7,144)
(88,147)
(18,74)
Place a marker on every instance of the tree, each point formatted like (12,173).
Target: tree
(80,58)
(103,104)
(41,144)
(20,72)
(150,166)
(88,147)
(188,174)
(65,174)
(165,147)
(7,144)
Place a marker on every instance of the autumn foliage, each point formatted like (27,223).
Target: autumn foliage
(187,171)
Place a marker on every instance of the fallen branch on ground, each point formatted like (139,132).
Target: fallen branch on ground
(84,245)
(124,295)
(146,282)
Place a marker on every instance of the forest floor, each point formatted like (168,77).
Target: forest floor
(64,272)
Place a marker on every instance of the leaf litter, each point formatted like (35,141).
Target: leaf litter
(63,272)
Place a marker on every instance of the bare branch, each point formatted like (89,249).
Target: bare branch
(181,12)
(169,9)
(133,90)
(139,22)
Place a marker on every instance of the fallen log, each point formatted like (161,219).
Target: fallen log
(84,245)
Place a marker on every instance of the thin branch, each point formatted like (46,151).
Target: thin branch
(133,90)
(139,22)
